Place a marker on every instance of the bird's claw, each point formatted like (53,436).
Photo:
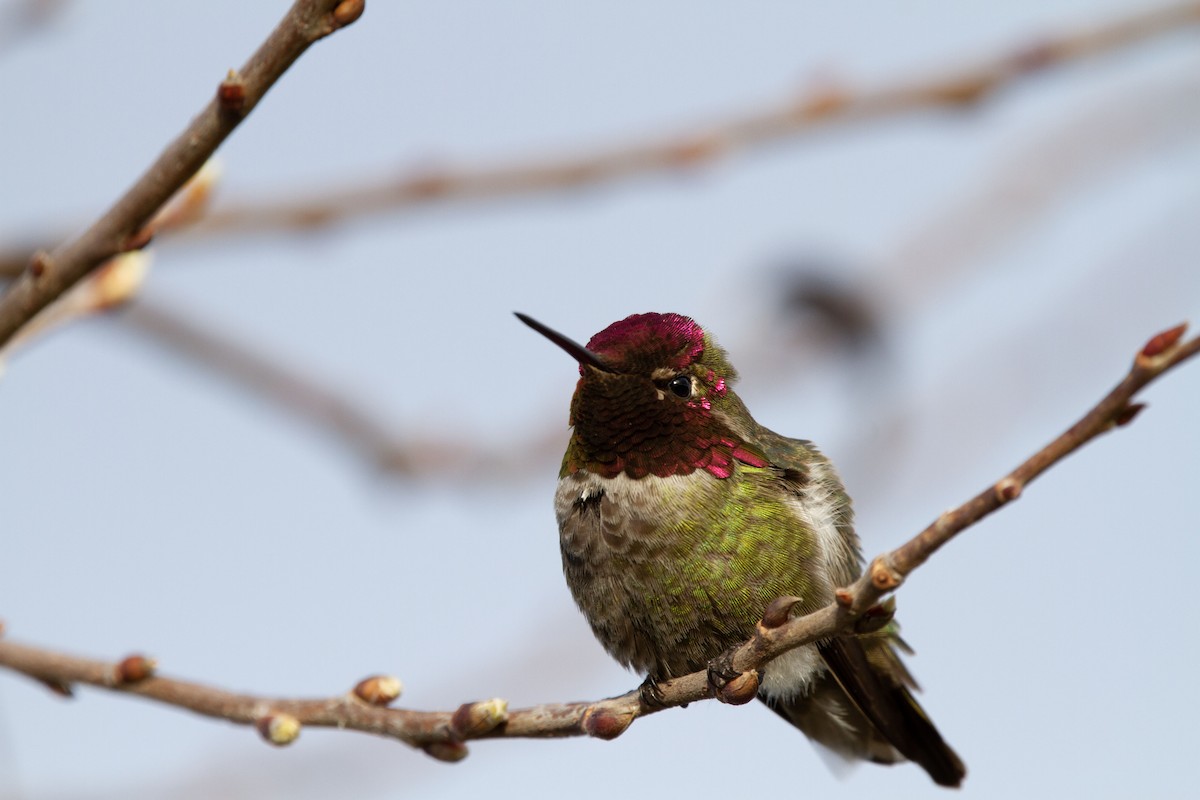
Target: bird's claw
(720,673)
(650,695)
(728,684)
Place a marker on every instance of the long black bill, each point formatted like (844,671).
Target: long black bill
(573,348)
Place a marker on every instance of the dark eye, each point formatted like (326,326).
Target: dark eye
(681,386)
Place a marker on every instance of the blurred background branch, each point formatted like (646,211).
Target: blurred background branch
(951,88)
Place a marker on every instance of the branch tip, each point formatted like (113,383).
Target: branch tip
(604,723)
(378,690)
(779,611)
(843,597)
(473,720)
(278,728)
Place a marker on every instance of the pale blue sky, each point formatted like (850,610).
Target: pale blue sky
(149,505)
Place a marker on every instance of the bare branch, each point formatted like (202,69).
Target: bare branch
(377,441)
(442,734)
(789,119)
(120,229)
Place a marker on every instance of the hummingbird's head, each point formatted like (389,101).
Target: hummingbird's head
(654,397)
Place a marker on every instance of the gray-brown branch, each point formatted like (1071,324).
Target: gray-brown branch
(792,118)
(121,228)
(442,733)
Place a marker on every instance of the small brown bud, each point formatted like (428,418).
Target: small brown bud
(884,577)
(231,94)
(347,11)
(39,263)
(843,597)
(1164,341)
(475,719)
(695,151)
(60,688)
(446,751)
(426,186)
(1128,413)
(278,728)
(134,668)
(740,690)
(378,690)
(1008,489)
(823,102)
(968,89)
(1036,56)
(138,239)
(604,723)
(876,617)
(779,611)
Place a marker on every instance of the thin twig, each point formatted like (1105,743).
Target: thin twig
(789,119)
(378,442)
(442,734)
(120,229)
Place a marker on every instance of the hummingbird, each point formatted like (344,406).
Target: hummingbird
(681,518)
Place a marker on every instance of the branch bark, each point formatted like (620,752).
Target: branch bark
(121,228)
(442,734)
(789,119)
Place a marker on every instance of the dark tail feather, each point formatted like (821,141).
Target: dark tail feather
(892,710)
(826,715)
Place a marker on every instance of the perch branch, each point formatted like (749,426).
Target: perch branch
(442,734)
(121,228)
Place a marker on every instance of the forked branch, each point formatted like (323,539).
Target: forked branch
(122,227)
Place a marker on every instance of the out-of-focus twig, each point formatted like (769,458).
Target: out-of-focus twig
(266,376)
(118,279)
(795,116)
(814,295)
(121,228)
(442,734)
(317,402)
(20,19)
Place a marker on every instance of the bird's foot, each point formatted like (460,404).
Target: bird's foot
(727,684)
(651,695)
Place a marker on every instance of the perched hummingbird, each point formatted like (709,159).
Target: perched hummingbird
(680,519)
